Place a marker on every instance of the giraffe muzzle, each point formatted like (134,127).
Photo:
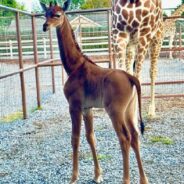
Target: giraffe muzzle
(45,27)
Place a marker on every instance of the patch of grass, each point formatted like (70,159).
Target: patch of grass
(12,117)
(36,109)
(104,157)
(88,156)
(162,139)
(100,157)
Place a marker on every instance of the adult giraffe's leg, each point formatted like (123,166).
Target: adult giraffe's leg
(76,117)
(130,58)
(123,135)
(88,120)
(155,47)
(140,56)
(121,41)
(171,39)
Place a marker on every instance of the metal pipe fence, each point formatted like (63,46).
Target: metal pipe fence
(31,69)
(39,72)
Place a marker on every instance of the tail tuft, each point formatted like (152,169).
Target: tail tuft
(134,1)
(142,127)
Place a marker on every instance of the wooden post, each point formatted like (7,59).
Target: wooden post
(11,49)
(22,81)
(180,42)
(63,75)
(52,67)
(109,38)
(36,62)
(45,48)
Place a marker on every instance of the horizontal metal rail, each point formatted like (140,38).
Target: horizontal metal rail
(163,83)
(26,68)
(15,10)
(80,11)
(165,96)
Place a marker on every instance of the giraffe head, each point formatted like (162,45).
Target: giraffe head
(54,14)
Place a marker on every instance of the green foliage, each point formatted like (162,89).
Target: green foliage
(161,139)
(12,4)
(7,16)
(92,4)
(76,4)
(84,4)
(165,14)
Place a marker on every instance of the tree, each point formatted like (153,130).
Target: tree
(12,4)
(76,4)
(7,16)
(91,4)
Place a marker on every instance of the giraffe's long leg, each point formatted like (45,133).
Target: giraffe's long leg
(171,39)
(120,44)
(76,117)
(130,58)
(155,47)
(123,134)
(88,120)
(140,56)
(132,121)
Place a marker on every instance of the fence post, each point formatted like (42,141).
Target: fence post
(52,56)
(11,49)
(22,81)
(180,42)
(36,61)
(109,38)
(80,32)
(44,48)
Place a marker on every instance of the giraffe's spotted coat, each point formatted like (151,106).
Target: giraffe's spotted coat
(137,26)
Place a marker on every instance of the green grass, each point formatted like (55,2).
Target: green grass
(36,109)
(161,139)
(88,156)
(100,157)
(12,117)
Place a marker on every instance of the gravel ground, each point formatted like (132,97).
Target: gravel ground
(38,150)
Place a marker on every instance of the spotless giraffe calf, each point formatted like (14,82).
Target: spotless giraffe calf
(89,86)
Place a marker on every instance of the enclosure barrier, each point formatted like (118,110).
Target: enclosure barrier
(93,32)
(18,45)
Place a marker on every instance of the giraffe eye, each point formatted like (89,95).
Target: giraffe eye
(57,15)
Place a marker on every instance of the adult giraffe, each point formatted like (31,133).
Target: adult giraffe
(137,26)
(88,86)
(170,27)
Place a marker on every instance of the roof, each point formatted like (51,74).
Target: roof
(84,22)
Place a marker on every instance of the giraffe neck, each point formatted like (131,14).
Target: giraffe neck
(178,11)
(70,52)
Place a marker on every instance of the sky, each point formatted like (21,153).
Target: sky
(165,3)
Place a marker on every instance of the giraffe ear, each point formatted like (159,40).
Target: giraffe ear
(44,7)
(66,5)
(51,4)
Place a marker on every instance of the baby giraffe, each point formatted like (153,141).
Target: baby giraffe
(89,86)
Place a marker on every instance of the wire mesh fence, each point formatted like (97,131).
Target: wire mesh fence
(43,76)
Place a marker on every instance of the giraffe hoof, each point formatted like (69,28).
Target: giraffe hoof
(151,111)
(99,179)
(74,180)
(144,181)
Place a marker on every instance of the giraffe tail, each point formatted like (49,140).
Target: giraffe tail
(134,1)
(136,82)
